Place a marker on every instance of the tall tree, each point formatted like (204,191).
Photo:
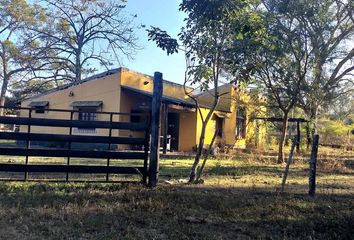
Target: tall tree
(329,24)
(86,34)
(215,40)
(18,51)
(283,61)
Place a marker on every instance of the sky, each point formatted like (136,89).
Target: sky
(165,15)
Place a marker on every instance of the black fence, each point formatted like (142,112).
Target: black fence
(112,121)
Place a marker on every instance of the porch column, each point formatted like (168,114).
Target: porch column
(165,128)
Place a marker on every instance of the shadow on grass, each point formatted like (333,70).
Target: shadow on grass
(106,211)
(183,171)
(349,164)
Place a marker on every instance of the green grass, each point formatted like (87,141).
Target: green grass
(240,199)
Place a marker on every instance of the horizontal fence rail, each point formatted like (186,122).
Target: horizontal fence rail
(70,169)
(27,136)
(72,138)
(32,152)
(46,122)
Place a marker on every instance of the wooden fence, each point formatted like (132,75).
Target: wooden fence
(28,137)
(149,133)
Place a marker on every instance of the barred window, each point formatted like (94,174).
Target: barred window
(87,114)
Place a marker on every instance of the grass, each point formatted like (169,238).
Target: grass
(240,199)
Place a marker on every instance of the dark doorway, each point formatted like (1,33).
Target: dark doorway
(173,130)
(219,126)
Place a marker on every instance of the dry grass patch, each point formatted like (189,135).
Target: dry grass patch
(240,199)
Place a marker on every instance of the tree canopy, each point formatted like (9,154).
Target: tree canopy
(216,39)
(86,34)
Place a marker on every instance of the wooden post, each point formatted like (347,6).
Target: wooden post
(290,159)
(110,144)
(28,143)
(69,144)
(298,136)
(146,148)
(313,162)
(155,130)
(165,128)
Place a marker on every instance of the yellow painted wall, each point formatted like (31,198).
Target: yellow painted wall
(106,89)
(115,99)
(187,131)
(128,102)
(253,137)
(136,80)
(210,128)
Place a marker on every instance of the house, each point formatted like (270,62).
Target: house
(127,91)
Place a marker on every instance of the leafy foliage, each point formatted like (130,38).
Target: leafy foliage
(216,41)
(163,40)
(20,52)
(335,132)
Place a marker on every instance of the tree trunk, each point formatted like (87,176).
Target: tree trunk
(78,65)
(315,122)
(193,173)
(282,138)
(308,135)
(3,94)
(286,171)
(201,169)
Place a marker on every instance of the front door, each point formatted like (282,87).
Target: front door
(173,130)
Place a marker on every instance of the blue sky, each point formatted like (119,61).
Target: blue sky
(163,14)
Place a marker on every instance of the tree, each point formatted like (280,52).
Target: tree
(215,40)
(18,51)
(329,25)
(282,62)
(25,89)
(85,33)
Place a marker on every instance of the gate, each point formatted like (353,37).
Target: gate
(25,137)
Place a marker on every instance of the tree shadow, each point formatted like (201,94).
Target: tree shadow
(111,211)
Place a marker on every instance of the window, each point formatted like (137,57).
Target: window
(86,114)
(240,123)
(87,111)
(219,126)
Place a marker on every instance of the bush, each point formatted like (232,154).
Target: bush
(335,132)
